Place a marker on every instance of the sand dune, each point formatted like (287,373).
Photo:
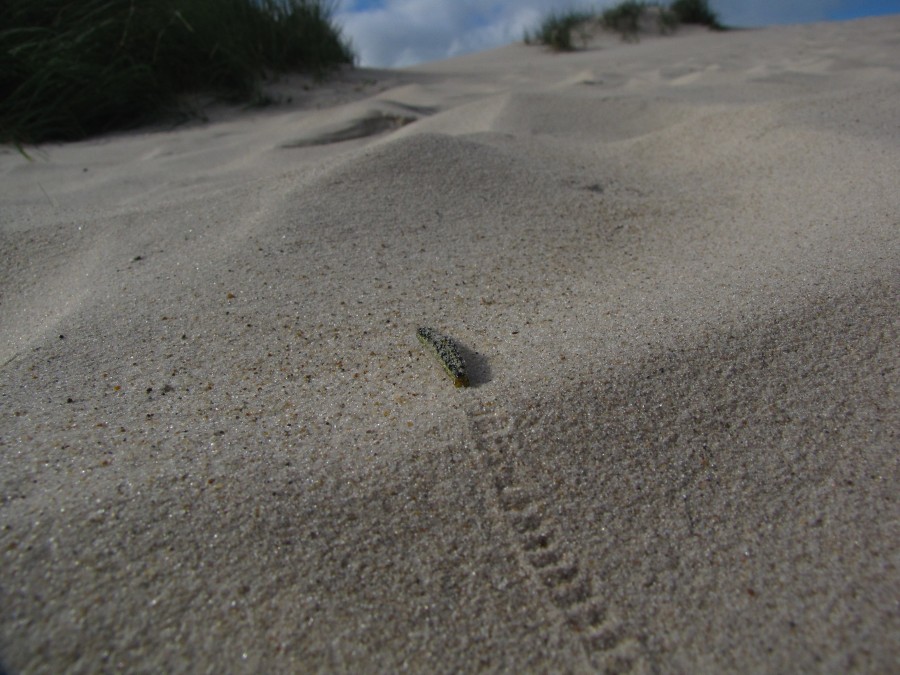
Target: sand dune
(671,268)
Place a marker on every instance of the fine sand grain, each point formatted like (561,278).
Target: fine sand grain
(672,270)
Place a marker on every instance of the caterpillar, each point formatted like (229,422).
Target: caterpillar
(447,353)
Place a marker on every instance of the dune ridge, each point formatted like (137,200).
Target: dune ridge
(671,268)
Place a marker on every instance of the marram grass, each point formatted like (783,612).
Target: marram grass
(555,30)
(73,69)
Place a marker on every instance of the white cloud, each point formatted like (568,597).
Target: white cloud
(396,33)
(405,32)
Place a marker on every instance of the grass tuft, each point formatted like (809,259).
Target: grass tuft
(555,30)
(625,18)
(628,18)
(696,12)
(73,69)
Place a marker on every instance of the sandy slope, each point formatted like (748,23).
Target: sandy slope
(672,268)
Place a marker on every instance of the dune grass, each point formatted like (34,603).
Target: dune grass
(695,12)
(625,18)
(555,30)
(72,69)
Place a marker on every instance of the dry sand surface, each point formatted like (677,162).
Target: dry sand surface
(672,268)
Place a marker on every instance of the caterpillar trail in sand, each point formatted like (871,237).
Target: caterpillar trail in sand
(447,353)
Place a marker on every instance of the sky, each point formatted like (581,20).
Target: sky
(397,33)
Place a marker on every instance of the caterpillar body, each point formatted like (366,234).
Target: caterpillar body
(447,353)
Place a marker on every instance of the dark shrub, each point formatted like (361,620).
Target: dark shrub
(695,11)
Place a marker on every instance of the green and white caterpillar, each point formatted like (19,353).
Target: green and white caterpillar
(447,353)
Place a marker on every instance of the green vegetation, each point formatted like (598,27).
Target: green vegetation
(695,11)
(555,30)
(625,18)
(72,69)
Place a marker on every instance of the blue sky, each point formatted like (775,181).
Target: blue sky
(395,33)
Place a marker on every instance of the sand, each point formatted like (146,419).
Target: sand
(672,268)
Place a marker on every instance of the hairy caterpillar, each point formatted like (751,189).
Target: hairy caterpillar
(447,353)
